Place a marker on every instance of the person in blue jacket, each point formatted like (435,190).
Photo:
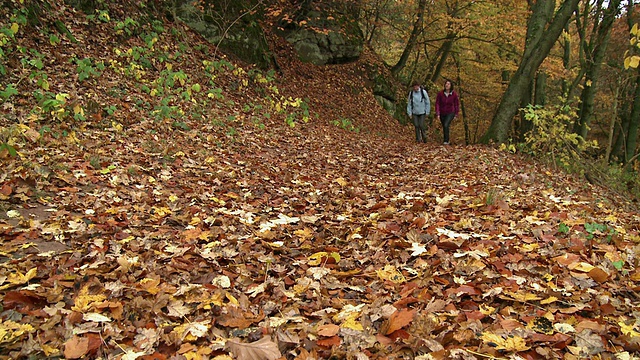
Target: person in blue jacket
(418,107)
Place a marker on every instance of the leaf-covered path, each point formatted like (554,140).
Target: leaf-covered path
(325,242)
(232,235)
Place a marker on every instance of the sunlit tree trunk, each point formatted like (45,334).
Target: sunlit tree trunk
(634,123)
(542,33)
(413,39)
(444,52)
(595,52)
(618,151)
(566,59)
(612,122)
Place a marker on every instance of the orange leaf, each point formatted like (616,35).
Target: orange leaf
(76,347)
(328,330)
(598,275)
(567,259)
(236,318)
(400,319)
(6,190)
(329,342)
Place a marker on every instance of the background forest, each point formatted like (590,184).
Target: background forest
(489,49)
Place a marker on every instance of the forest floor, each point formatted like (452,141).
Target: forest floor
(161,205)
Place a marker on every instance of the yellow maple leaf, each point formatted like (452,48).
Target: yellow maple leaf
(214,299)
(11,330)
(160,211)
(50,350)
(232,299)
(316,259)
(305,233)
(581,266)
(523,297)
(150,285)
(511,343)
(352,323)
(486,309)
(84,301)
(192,330)
(529,247)
(390,273)
(628,329)
(17,278)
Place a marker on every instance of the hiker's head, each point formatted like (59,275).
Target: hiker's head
(448,85)
(416,86)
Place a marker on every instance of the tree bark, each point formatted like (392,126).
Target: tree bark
(634,123)
(413,39)
(444,52)
(594,54)
(612,123)
(542,33)
(566,60)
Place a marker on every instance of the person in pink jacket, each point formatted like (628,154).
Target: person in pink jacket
(447,108)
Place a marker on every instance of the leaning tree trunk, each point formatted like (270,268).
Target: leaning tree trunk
(634,123)
(594,64)
(444,52)
(413,39)
(543,35)
(612,122)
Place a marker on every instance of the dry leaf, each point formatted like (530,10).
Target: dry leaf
(328,330)
(598,275)
(263,349)
(400,319)
(76,347)
(510,343)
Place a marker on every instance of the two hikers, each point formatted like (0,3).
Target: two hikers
(419,107)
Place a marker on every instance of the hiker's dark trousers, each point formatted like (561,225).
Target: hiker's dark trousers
(446,119)
(421,130)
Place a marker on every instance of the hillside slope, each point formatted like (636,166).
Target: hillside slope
(160,205)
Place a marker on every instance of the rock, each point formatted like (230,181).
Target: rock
(321,41)
(237,32)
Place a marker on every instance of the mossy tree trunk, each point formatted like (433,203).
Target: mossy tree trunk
(595,51)
(413,39)
(542,33)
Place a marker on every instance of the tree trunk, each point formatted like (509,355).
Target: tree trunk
(618,152)
(542,34)
(444,52)
(541,89)
(634,123)
(566,60)
(413,39)
(593,65)
(463,109)
(612,122)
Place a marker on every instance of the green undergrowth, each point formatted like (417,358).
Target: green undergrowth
(144,70)
(552,141)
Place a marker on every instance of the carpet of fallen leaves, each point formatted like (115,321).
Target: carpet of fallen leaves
(235,238)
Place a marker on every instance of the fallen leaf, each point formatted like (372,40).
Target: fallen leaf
(598,275)
(263,349)
(328,330)
(330,342)
(400,319)
(76,347)
(510,343)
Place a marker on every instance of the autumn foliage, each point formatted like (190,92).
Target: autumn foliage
(173,204)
